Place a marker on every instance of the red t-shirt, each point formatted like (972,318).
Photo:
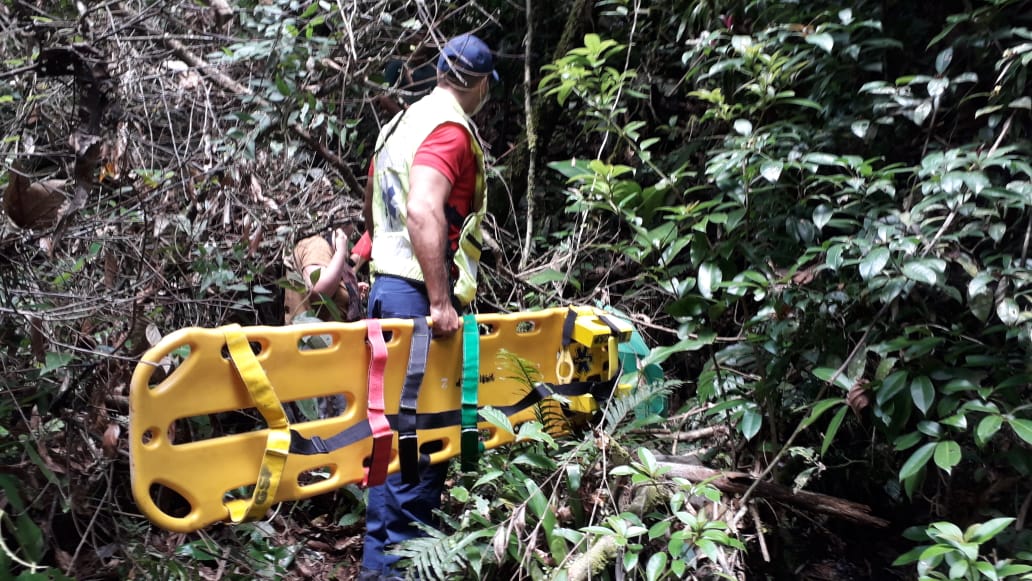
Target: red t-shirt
(448,150)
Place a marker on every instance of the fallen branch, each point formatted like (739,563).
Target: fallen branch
(739,482)
(687,436)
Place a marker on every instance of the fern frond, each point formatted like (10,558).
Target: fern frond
(619,408)
(521,369)
(440,556)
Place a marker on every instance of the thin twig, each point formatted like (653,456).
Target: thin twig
(528,106)
(759,532)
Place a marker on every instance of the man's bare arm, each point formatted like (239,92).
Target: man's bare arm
(428,231)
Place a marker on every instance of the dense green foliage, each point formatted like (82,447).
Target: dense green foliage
(818,213)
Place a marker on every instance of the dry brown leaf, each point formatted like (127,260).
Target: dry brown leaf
(37,342)
(110,443)
(110,270)
(858,397)
(500,543)
(153,334)
(33,204)
(255,242)
(803,277)
(223,11)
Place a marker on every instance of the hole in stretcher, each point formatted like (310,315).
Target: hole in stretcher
(368,460)
(169,500)
(168,365)
(316,475)
(487,329)
(147,437)
(525,327)
(316,408)
(315,342)
(431,447)
(256,348)
(217,425)
(239,493)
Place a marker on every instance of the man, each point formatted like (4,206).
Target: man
(424,209)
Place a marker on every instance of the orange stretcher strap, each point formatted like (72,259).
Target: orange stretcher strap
(383,436)
(277,444)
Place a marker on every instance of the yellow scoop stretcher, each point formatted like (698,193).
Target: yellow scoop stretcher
(237,477)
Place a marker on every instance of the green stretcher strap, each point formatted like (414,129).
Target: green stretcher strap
(383,436)
(277,444)
(408,441)
(470,438)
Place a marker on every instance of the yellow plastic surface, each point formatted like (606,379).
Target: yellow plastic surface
(206,473)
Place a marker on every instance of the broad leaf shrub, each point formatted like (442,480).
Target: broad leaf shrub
(576,507)
(845,234)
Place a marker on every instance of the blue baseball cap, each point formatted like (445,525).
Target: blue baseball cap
(467,54)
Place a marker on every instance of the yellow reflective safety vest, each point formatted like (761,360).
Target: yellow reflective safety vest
(396,149)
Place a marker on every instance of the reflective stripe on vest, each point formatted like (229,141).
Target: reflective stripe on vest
(392,253)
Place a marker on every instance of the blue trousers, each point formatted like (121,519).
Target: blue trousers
(394,506)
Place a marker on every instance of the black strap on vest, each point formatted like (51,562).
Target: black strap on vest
(408,441)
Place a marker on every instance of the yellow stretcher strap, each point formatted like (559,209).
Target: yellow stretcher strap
(277,445)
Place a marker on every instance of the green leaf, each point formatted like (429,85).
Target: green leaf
(822,214)
(911,482)
(874,262)
(751,423)
(1008,311)
(822,40)
(1021,103)
(942,61)
(487,477)
(860,128)
(826,373)
(923,393)
(947,455)
(459,493)
(989,529)
(710,276)
(926,270)
(917,460)
(55,361)
(497,418)
(771,171)
(678,567)
(947,531)
(986,429)
(660,354)
(906,441)
(660,529)
(820,407)
(546,276)
(910,556)
(890,386)
(1023,428)
(656,566)
(833,427)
